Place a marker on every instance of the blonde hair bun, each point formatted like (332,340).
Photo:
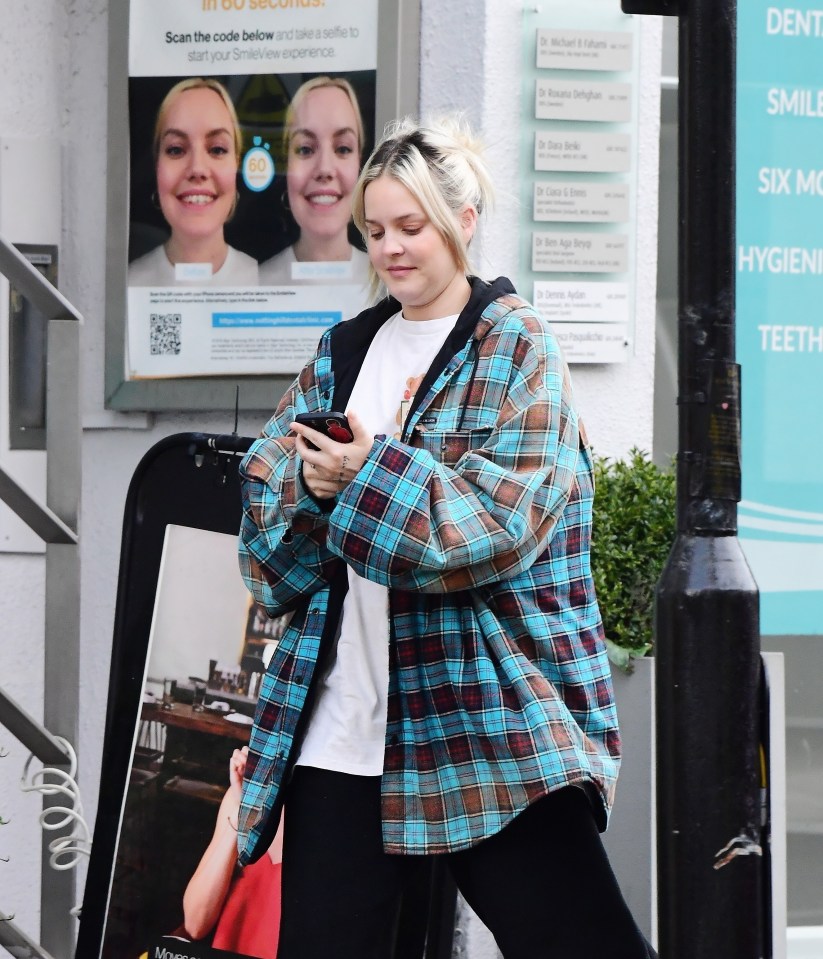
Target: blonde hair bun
(440,162)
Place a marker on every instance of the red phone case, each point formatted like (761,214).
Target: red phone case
(333,425)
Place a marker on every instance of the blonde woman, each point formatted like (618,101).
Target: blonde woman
(197,146)
(324,143)
(443,687)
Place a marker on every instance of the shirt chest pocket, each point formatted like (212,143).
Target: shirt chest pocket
(448,446)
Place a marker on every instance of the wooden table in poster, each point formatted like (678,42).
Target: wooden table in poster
(184,717)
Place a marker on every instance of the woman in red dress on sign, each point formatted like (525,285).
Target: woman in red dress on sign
(241,906)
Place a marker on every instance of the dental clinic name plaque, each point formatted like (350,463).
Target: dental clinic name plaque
(579,152)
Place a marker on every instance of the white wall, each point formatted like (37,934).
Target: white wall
(54,82)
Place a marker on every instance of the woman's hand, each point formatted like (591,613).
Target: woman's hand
(230,807)
(329,469)
(208,887)
(237,767)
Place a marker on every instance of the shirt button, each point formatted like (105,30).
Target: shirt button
(299,679)
(394,740)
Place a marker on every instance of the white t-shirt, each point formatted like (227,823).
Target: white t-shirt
(347,730)
(155,269)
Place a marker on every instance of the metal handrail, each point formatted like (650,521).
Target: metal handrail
(19,944)
(56,522)
(33,285)
(33,735)
(39,518)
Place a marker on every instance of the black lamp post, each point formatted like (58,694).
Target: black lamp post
(710,840)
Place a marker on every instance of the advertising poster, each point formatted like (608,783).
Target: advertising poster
(175,887)
(779,291)
(248,123)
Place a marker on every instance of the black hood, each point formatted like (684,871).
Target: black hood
(351,340)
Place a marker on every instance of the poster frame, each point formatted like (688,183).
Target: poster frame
(397,94)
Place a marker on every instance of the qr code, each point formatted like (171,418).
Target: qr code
(164,334)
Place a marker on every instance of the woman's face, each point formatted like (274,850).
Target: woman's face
(196,165)
(409,253)
(324,162)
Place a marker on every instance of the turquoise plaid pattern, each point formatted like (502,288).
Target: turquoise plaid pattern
(479,525)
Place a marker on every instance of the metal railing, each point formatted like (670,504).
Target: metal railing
(56,522)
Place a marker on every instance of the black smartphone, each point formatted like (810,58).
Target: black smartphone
(333,425)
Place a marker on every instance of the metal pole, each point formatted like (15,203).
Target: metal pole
(57,522)
(709,832)
(61,707)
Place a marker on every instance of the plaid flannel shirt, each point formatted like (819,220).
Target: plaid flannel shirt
(478,522)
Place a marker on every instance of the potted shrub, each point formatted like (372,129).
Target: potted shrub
(633,531)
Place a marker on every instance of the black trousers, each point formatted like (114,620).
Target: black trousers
(543,885)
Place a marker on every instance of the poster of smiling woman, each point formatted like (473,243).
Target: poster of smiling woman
(248,124)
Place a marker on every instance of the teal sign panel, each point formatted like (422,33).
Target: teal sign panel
(780,308)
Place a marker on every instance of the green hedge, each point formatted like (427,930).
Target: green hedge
(634,528)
